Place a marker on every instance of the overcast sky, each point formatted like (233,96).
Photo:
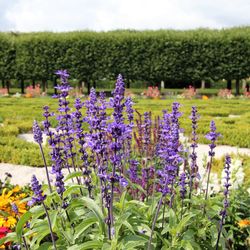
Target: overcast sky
(68,15)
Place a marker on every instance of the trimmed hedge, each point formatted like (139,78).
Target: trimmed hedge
(139,55)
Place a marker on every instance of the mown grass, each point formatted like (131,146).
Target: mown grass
(17,115)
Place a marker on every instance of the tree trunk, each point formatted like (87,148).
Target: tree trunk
(88,83)
(203,84)
(55,85)
(22,86)
(128,83)
(237,87)
(229,84)
(80,87)
(3,83)
(43,85)
(162,84)
(94,84)
(8,86)
(83,87)
(244,84)
(33,83)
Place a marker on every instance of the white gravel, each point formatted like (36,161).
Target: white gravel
(22,174)
(30,138)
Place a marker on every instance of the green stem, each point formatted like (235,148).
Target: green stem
(154,222)
(50,226)
(46,167)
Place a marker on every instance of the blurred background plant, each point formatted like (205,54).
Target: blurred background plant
(33,91)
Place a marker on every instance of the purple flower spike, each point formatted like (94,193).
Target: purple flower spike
(123,182)
(182,184)
(64,87)
(62,73)
(129,109)
(212,136)
(14,208)
(38,196)
(147,132)
(46,122)
(37,133)
(226,184)
(132,171)
(223,212)
(193,166)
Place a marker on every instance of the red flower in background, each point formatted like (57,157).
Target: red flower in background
(3,232)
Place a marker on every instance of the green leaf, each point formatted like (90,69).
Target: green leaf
(184,222)
(187,245)
(73,175)
(45,246)
(10,237)
(85,224)
(91,204)
(106,246)
(172,218)
(133,241)
(74,188)
(3,213)
(19,227)
(121,203)
(87,245)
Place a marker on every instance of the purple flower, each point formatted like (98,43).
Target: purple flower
(169,150)
(64,87)
(38,196)
(46,122)
(223,212)
(14,208)
(132,171)
(182,184)
(147,132)
(37,133)
(212,136)
(123,182)
(193,166)
(62,73)
(129,109)
(226,185)
(57,170)
(130,115)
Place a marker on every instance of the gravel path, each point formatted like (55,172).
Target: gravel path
(22,174)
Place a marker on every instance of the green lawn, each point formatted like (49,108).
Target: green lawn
(17,115)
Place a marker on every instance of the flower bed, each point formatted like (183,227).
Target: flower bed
(125,194)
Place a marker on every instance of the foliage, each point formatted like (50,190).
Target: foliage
(147,55)
(152,92)
(247,94)
(189,93)
(94,206)
(3,92)
(17,115)
(12,206)
(33,92)
(225,93)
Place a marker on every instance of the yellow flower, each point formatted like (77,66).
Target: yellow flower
(21,206)
(204,97)
(16,189)
(11,221)
(8,222)
(2,221)
(7,198)
(244,223)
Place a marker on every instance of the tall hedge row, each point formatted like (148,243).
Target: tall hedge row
(146,55)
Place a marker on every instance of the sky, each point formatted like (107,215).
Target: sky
(104,15)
